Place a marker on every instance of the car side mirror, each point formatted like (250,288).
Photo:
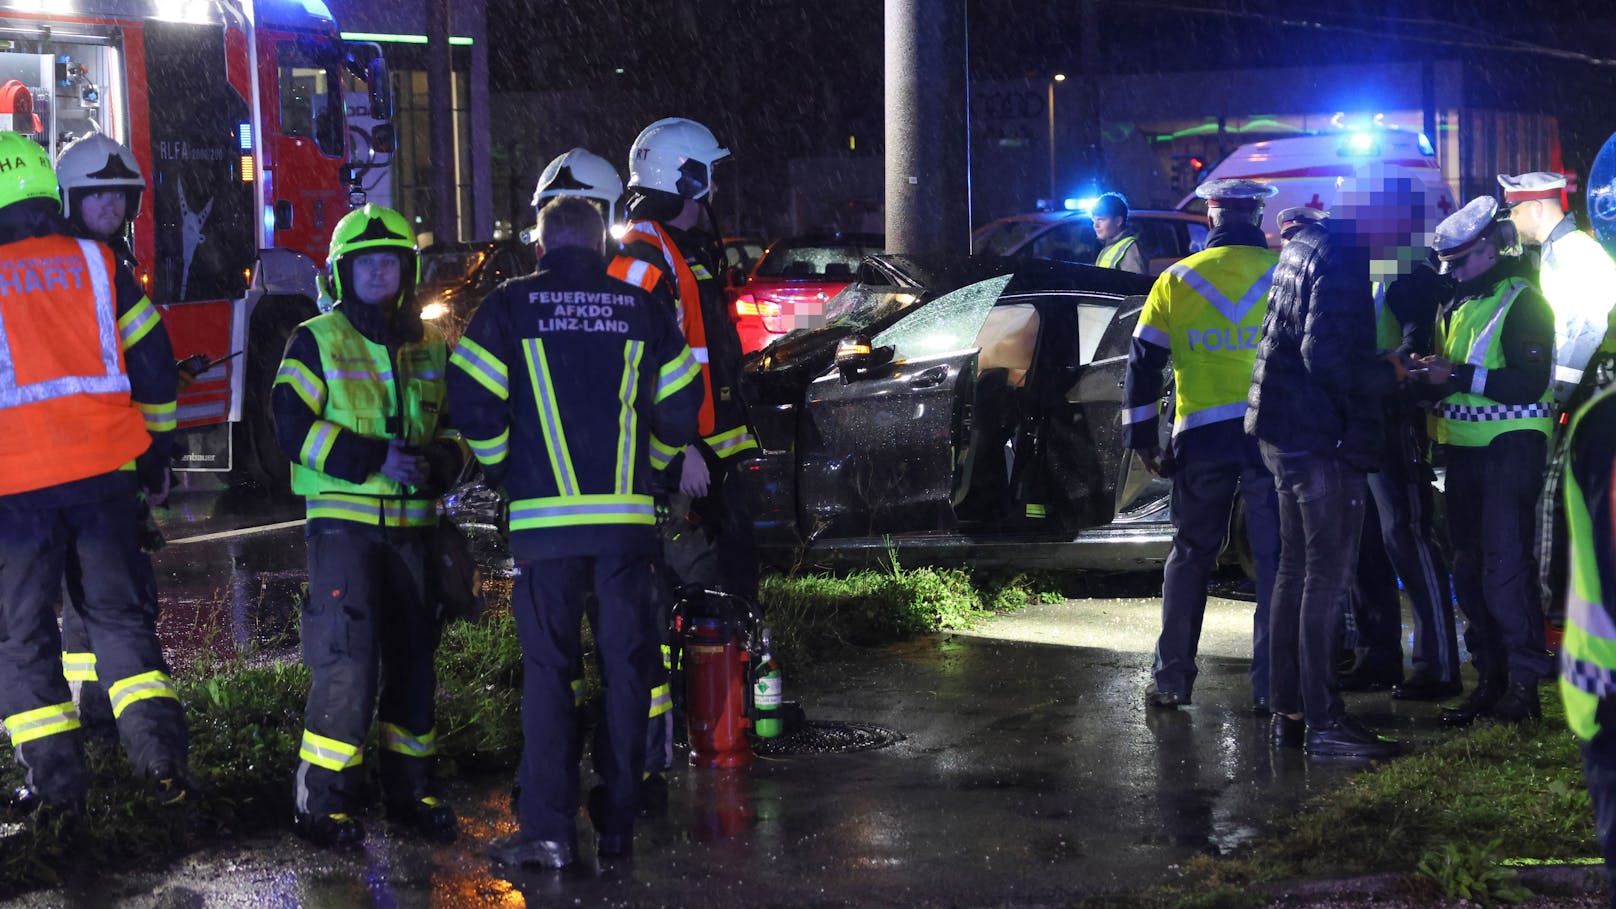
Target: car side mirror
(855,357)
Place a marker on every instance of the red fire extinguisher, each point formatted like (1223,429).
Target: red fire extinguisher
(716,659)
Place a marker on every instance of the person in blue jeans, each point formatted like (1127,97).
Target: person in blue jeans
(1315,410)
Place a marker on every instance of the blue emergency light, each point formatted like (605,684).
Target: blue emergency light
(244,136)
(1083,204)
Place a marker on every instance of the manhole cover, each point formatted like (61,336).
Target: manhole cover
(821,737)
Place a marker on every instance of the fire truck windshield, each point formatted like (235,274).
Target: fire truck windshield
(311,92)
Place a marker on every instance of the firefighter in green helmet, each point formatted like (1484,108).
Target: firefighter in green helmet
(359,408)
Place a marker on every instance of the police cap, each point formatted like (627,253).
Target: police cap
(1461,231)
(1235,193)
(1303,213)
(1535,185)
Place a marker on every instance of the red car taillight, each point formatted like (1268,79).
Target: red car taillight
(767,310)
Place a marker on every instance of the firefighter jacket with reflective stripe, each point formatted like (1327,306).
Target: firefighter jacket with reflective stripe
(1124,253)
(345,396)
(1588,653)
(558,384)
(1207,310)
(1579,281)
(693,284)
(87,381)
(1472,334)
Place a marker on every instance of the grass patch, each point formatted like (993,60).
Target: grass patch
(245,725)
(811,614)
(1447,817)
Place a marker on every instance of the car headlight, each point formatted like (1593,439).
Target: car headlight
(434,310)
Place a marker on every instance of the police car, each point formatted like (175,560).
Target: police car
(1068,236)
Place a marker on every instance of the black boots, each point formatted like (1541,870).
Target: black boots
(427,816)
(1518,704)
(329,831)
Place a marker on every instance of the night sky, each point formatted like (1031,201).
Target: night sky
(782,79)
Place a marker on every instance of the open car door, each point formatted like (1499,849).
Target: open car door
(883,451)
(1099,393)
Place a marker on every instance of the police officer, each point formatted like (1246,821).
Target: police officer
(1401,491)
(1579,281)
(1296,217)
(101,192)
(559,383)
(1204,312)
(670,186)
(1492,375)
(583,174)
(87,362)
(1576,275)
(1121,250)
(359,408)
(1588,655)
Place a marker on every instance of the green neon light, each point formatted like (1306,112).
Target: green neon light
(385,38)
(1261,124)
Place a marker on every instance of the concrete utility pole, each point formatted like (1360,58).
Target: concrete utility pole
(1089,152)
(928,128)
(440,91)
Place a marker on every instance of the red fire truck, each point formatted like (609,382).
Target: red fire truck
(235,111)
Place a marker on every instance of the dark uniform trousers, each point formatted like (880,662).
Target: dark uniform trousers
(90,695)
(368,624)
(1492,507)
(1375,620)
(549,601)
(1599,771)
(120,614)
(1213,462)
(1401,496)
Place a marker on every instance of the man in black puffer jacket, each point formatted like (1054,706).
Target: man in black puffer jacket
(1315,409)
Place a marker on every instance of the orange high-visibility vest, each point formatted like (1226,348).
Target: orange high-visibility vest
(622,268)
(65,410)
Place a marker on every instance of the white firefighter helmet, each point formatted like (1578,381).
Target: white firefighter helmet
(97,163)
(676,156)
(580,173)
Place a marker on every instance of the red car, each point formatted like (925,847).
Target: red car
(788,288)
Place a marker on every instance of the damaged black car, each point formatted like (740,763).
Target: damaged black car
(960,414)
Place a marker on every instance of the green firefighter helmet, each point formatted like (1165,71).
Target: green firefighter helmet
(372,228)
(25,171)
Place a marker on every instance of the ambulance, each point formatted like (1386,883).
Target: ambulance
(1306,168)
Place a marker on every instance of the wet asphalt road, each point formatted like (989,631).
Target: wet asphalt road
(1028,772)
